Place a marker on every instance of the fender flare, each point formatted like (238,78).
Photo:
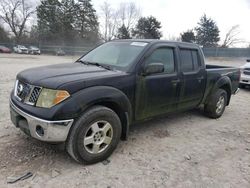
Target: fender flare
(224,83)
(107,96)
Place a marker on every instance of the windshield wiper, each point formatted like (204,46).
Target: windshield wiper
(95,64)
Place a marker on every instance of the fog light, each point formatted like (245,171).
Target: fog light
(39,130)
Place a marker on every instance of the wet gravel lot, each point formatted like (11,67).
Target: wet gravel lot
(181,150)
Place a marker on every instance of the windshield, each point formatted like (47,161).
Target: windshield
(117,54)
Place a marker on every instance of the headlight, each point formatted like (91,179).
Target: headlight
(50,97)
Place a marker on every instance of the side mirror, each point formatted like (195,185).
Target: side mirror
(248,60)
(153,68)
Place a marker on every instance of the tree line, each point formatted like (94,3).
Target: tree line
(207,34)
(75,22)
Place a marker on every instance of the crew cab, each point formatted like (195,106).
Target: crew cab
(90,104)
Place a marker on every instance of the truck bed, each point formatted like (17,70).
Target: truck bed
(218,67)
(216,72)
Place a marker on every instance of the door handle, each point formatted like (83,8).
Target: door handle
(175,81)
(200,78)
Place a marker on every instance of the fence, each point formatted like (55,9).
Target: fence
(226,52)
(69,50)
(80,50)
(52,49)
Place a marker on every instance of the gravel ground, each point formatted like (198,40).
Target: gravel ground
(181,150)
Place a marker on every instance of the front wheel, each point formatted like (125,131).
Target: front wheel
(217,104)
(94,136)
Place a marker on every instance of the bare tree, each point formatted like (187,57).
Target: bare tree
(128,14)
(173,38)
(110,21)
(15,14)
(231,37)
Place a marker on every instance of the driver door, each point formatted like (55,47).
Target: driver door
(157,93)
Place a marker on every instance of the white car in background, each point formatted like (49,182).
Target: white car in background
(34,50)
(20,49)
(245,74)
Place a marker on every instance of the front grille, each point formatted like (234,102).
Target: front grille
(22,90)
(246,72)
(27,93)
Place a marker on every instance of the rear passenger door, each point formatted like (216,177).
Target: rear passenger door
(192,73)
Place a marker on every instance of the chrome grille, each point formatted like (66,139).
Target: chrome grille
(26,93)
(22,90)
(246,71)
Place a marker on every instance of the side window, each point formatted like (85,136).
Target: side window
(164,56)
(186,60)
(189,60)
(195,59)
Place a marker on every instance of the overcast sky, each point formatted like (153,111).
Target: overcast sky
(177,16)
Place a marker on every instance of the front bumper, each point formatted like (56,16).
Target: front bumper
(24,51)
(49,131)
(35,52)
(245,79)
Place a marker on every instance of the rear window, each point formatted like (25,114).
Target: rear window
(189,60)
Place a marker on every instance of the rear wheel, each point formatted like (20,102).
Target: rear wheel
(217,104)
(94,136)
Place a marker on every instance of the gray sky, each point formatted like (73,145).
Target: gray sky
(177,16)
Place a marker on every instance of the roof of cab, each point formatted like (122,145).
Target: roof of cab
(155,41)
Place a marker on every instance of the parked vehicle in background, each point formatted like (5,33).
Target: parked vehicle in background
(4,49)
(60,52)
(20,49)
(245,75)
(34,50)
(90,104)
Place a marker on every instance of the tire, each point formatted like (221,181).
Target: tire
(99,126)
(217,104)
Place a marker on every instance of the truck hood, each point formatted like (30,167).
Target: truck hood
(54,76)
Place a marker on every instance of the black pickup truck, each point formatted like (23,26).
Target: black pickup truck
(90,104)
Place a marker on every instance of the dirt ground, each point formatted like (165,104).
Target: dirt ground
(181,150)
